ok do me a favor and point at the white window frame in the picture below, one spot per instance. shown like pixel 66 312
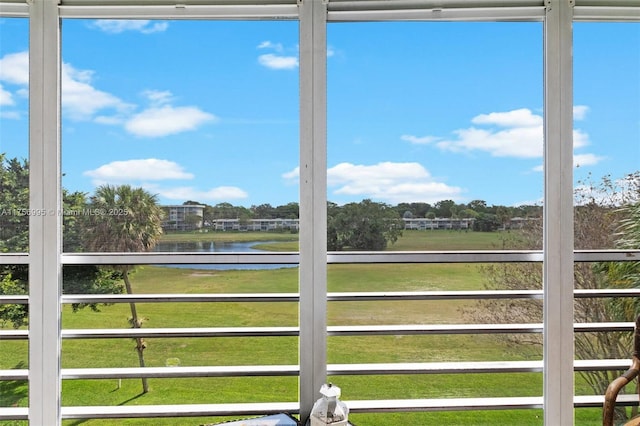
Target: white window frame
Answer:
pixel 45 258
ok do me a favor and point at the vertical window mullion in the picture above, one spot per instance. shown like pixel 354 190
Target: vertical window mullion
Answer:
pixel 558 215
pixel 313 202
pixel 44 222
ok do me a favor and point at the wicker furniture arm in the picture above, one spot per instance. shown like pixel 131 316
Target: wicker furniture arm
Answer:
pixel 616 386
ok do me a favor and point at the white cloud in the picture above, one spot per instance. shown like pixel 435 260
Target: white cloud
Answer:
pixel 270 45
pixel 580 139
pixel 6 98
pixel 580 112
pixel 167 120
pixel 223 193
pixel 582 160
pixel 158 97
pixel 519 142
pixel 518 133
pixel 109 119
pixel 149 169
pixel 517 118
pixel 389 182
pixel 81 100
pixel 579 160
pixel 14 68
pixel 419 140
pixel 278 62
pixel 10 115
pixel 117 26
pixel 292 175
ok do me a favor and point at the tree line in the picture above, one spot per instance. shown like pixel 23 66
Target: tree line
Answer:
pixel 441 209
pixel 485 218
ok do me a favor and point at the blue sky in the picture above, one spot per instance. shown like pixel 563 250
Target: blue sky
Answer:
pixel 208 111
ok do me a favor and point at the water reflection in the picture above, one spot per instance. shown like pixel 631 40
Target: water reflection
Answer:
pixel 216 247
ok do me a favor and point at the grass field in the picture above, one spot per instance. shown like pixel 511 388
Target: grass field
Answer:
pixel 255 351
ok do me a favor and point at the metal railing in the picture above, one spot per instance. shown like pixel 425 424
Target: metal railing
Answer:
pixel 420 368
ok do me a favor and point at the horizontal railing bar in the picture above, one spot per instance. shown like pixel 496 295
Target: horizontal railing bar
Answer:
pixel 178 372
pixel 21 299
pixel 448 404
pixel 606 292
pixel 606 255
pixel 464 404
pixel 193 298
pixel 457 367
pixel 184 258
pixel 332 297
pixel 601 364
pixel 292 258
pixel 426 329
pixel 294 297
pixel 14 334
pixel 421 329
pixel 434 295
pixel 480 256
pixel 464 367
pixel 14 413
pixel 15 374
pixel 14 258
pixel 603 326
pixel 353 330
pixel 596 401
pixel 181 332
pixel 183 410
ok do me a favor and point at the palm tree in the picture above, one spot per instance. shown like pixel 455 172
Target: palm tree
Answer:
pixel 124 219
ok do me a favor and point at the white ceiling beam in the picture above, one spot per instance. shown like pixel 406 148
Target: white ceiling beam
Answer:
pixel 531 13
pixel 601 13
pixel 181 11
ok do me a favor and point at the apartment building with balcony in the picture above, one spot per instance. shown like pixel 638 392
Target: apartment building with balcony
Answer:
pixel 183 217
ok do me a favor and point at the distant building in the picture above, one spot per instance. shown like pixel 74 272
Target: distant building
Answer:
pixel 438 223
pixel 255 224
pixel 520 222
pixel 294 224
pixel 183 217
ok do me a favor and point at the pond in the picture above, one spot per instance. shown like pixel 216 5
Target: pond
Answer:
pixel 216 247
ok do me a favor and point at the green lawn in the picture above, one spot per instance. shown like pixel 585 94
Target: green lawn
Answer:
pixel 272 350
pixel 437 240
pixel 227 236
